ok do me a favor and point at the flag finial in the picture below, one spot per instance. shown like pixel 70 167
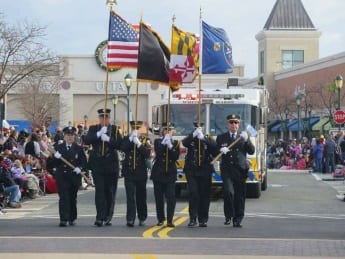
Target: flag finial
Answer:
pixel 111 2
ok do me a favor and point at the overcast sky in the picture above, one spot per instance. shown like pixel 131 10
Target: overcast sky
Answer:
pixel 76 27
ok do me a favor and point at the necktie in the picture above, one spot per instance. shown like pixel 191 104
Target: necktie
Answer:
pixel 233 136
pixel 68 147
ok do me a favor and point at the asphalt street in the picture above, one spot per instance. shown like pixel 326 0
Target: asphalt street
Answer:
pixel 298 216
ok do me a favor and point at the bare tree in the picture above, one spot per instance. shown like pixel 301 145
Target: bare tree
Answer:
pixel 38 99
pixel 328 97
pixel 22 54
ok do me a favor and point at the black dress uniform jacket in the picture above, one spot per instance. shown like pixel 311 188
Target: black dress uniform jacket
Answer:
pixel 68 182
pixel 198 163
pixel 234 169
pixel 162 170
pixel 105 169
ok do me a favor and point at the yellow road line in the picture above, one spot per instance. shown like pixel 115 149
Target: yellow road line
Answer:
pixel 185 210
pixel 164 232
pixel 149 233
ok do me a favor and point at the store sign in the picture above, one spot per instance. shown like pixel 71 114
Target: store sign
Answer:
pixel 112 87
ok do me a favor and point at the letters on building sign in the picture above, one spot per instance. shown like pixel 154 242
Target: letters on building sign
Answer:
pixel 113 87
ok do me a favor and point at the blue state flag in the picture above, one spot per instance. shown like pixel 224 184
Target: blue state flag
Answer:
pixel 216 51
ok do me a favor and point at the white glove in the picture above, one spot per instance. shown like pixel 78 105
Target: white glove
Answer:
pixel 136 141
pixel 77 170
pixel 164 141
pixel 169 144
pixel 195 132
pixel 102 131
pixel 244 135
pixel 134 133
pixel 224 150
pixel 57 155
pixel 201 135
pixel 105 138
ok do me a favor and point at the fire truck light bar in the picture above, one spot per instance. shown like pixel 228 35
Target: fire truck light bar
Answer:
pixel 184 96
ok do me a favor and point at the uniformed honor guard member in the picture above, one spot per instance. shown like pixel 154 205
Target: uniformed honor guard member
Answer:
pixel 68 180
pixel 163 174
pixel 135 173
pixel 198 170
pixel 234 169
pixel 105 139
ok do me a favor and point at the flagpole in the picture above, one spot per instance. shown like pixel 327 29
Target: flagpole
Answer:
pixel 110 2
pixel 199 81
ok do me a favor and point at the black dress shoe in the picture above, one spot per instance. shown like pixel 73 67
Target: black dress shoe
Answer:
pixel 71 223
pixel 107 222
pixel 63 224
pixel 203 224
pixel 130 224
pixel 170 225
pixel 227 221
pixel 237 225
pixel 192 223
pixel 142 223
pixel 99 223
pixel 160 223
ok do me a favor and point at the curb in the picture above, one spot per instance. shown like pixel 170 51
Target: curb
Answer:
pixel 333 179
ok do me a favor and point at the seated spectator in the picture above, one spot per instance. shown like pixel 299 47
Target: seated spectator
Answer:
pixel 33 183
pixel 17 175
pixel 10 187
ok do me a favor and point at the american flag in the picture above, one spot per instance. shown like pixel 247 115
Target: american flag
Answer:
pixel 123 43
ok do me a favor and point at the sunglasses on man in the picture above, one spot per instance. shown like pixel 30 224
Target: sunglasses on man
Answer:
pixel 233 122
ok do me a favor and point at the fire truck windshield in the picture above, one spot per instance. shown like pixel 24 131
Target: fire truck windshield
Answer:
pixel 183 115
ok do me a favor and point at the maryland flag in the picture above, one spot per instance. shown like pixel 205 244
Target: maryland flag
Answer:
pixel 153 58
pixel 184 58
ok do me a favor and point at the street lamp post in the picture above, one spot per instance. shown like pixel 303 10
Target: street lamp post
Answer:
pixel 298 102
pixel 114 100
pixel 338 81
pixel 286 137
pixel 128 83
pixel 309 118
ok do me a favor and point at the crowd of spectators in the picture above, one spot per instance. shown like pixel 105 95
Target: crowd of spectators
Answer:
pixel 322 155
pixel 24 164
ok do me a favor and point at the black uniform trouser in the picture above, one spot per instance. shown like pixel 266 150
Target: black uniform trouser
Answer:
pixel 67 190
pixel 166 189
pixel 234 189
pixel 199 197
pixel 136 199
pixel 105 193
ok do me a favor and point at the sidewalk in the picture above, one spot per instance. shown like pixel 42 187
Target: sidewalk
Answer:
pixel 29 206
pixel 337 183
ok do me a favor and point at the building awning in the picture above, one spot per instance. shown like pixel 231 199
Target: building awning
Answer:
pixel 272 125
pixel 292 125
pixel 324 124
pixel 20 125
pixel 277 128
pixel 303 124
